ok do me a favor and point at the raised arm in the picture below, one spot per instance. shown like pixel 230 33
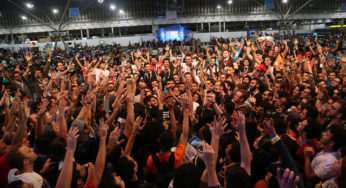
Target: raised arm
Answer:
pixel 101 155
pixel 131 89
pixel 245 152
pixel 337 46
pixel 186 107
pixel 217 129
pixel 20 133
pixel 39 130
pixel 65 176
pixel 135 130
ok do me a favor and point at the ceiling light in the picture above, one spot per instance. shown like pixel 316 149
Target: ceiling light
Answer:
pixel 218 6
pixel 100 1
pixel 284 1
pixel 55 11
pixel 29 5
pixel 121 11
pixel 112 7
pixel 229 2
pixel 24 18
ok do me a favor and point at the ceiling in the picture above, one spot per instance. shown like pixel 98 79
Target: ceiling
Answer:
pixel 14 12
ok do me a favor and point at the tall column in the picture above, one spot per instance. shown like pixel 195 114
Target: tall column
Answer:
pixel 112 29
pixel 201 26
pixel 219 26
pixel 81 33
pixel 224 26
pixel 119 31
pixel 102 33
pixel 342 24
pixel 196 27
pixel 12 38
pixel 87 33
pixel 209 27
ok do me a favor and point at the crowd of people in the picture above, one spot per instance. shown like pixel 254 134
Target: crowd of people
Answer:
pixel 238 112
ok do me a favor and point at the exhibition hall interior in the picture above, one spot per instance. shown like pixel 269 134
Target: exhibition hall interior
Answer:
pixel 173 93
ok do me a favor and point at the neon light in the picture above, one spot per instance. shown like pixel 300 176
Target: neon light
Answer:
pixel 336 26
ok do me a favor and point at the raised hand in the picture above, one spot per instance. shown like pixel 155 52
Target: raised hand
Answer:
pixel 269 127
pixel 103 129
pixel 309 152
pixel 44 107
pixel 46 167
pixel 185 102
pixel 136 125
pixel 288 179
pixel 208 154
pixel 240 118
pixel 113 139
pixel 170 103
pixel 28 57
pixel 218 126
pixel 72 139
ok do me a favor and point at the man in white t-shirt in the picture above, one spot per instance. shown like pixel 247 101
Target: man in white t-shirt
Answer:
pixel 22 158
pixel 102 72
pixel 189 65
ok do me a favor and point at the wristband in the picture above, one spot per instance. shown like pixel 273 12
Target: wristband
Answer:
pixel 275 139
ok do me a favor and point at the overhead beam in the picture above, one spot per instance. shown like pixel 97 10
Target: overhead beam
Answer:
pixel 162 21
pixel 37 18
pixel 300 8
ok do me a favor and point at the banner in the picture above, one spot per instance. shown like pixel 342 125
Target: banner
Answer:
pixel 269 4
pixel 74 12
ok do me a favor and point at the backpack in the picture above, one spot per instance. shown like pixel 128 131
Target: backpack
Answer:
pixel 165 173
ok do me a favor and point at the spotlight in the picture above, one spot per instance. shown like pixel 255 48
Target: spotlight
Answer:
pixel 100 1
pixel 284 1
pixel 112 7
pixel 121 11
pixel 218 6
pixel 29 5
pixel 229 2
pixel 24 18
pixel 55 11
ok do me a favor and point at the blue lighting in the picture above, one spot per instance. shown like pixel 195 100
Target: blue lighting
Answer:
pixel 176 32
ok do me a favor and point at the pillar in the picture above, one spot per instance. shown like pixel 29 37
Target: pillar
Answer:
pixel 102 33
pixel 87 33
pixel 209 27
pixel 81 33
pixel 224 26
pixel 219 26
pixel 119 31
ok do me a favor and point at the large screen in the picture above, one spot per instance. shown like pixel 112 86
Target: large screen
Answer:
pixel 172 33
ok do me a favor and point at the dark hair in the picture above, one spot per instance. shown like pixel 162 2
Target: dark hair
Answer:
pixel 150 134
pixel 15 184
pixel 236 177
pixel 343 108
pixel 15 158
pixel 166 140
pixel 42 142
pixel 261 159
pixel 187 175
pixel 108 181
pixel 234 152
pixel 312 130
pixel 294 118
pixel 312 111
pixel 125 168
pixel 57 149
pixel 338 137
